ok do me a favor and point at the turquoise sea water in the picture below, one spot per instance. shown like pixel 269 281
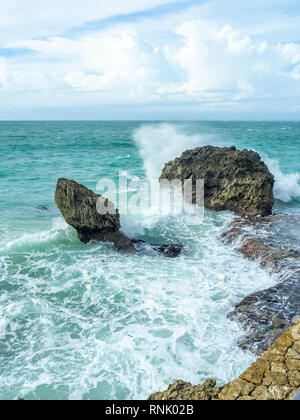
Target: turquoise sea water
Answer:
pixel 86 322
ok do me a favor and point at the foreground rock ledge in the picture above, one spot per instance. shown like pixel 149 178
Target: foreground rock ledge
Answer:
pixel 78 206
pixel 274 376
pixel 234 180
pixel 274 242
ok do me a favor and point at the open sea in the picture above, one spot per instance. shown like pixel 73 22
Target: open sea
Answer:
pixel 88 322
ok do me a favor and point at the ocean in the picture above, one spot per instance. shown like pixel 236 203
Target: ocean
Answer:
pixel 88 322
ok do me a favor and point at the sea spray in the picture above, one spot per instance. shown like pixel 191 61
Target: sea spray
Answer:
pixel 161 143
pixel 84 321
pixel 158 144
pixel 286 185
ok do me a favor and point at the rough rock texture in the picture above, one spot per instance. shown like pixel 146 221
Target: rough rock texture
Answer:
pixel 275 242
pixel 274 376
pixel 78 206
pixel 234 180
pixel 185 391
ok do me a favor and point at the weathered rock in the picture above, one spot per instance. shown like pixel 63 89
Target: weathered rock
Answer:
pixel 294 378
pixel 79 206
pixel 237 389
pixel 263 380
pixel 256 372
pixel 234 180
pixel 185 391
pixel 274 242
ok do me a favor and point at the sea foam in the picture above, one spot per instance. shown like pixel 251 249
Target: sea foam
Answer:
pixel 286 185
pixel 159 144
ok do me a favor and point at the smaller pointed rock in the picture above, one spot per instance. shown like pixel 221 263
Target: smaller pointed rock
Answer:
pixel 79 207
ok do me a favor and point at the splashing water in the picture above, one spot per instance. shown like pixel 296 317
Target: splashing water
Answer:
pixel 159 144
pixel 87 322
pixel 286 185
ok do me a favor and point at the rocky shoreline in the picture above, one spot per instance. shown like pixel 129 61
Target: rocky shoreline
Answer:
pixel 274 242
pixel 238 181
pixel 274 376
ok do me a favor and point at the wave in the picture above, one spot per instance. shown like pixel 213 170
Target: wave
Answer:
pixel 59 226
pixel 159 144
pixel 287 186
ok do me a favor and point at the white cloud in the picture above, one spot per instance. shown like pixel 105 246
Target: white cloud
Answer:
pixel 34 18
pixel 202 63
pixel 2 72
pixel 125 65
pixel 221 59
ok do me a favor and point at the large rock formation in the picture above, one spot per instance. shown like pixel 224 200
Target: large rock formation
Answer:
pixel 80 208
pixel 274 242
pixel 274 376
pixel 234 180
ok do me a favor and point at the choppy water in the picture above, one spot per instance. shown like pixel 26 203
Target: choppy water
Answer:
pixel 84 321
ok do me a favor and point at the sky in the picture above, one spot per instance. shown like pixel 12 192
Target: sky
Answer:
pixel 150 60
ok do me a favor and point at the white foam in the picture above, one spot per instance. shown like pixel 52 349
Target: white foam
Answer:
pixel 286 185
pixel 58 225
pixel 3 324
pixel 162 143
pixel 92 322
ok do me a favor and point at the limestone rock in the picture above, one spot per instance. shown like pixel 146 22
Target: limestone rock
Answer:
pixel 185 391
pixel 256 372
pixel 78 205
pixel 237 388
pixel 294 378
pixel 296 346
pixel 279 392
pixel 234 180
pixel 264 380
pixel 261 393
pixel 80 208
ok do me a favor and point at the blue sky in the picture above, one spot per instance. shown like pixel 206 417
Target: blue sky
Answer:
pixel 150 59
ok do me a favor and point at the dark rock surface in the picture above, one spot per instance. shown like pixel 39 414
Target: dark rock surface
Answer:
pixel 170 251
pixel 234 180
pixel 275 243
pixel 78 206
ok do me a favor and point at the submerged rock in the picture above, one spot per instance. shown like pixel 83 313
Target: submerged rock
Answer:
pixel 79 207
pixel 234 180
pixel 275 243
pixel 42 208
pixel 170 251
